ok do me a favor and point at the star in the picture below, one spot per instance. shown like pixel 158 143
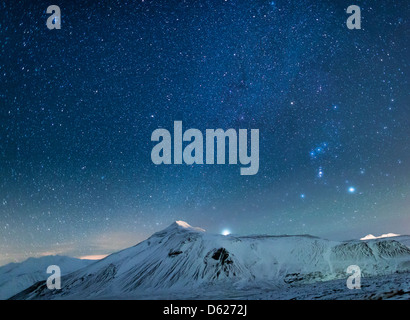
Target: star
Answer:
pixel 226 232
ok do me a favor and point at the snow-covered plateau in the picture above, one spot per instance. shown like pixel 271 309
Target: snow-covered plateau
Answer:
pixel 183 262
pixel 15 277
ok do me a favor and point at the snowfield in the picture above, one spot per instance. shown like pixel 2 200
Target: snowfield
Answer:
pixel 183 262
pixel 15 277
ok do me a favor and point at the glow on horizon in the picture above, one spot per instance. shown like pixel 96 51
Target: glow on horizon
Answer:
pixel 93 257
pixel 226 232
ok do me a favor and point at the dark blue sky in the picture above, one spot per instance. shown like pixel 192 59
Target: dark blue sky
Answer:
pixel 78 106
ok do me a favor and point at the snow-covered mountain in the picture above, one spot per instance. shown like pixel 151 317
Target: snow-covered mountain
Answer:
pixel 183 261
pixel 15 277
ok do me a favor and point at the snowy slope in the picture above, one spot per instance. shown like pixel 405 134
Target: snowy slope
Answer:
pixel 15 277
pixel 402 239
pixel 182 258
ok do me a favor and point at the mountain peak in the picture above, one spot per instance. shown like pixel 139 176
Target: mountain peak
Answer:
pixel 182 226
pixel 386 235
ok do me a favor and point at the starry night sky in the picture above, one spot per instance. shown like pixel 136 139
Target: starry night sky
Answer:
pixel 78 106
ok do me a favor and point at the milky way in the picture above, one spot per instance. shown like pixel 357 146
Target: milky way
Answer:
pixel 78 106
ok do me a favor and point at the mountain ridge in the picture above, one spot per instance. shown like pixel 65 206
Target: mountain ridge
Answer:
pixel 17 276
pixel 182 258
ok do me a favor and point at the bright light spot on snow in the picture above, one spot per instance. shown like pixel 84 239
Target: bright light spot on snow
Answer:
pixel 226 232
pixel 352 189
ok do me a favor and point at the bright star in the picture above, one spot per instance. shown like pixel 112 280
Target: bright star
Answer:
pixel 226 232
pixel 352 189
